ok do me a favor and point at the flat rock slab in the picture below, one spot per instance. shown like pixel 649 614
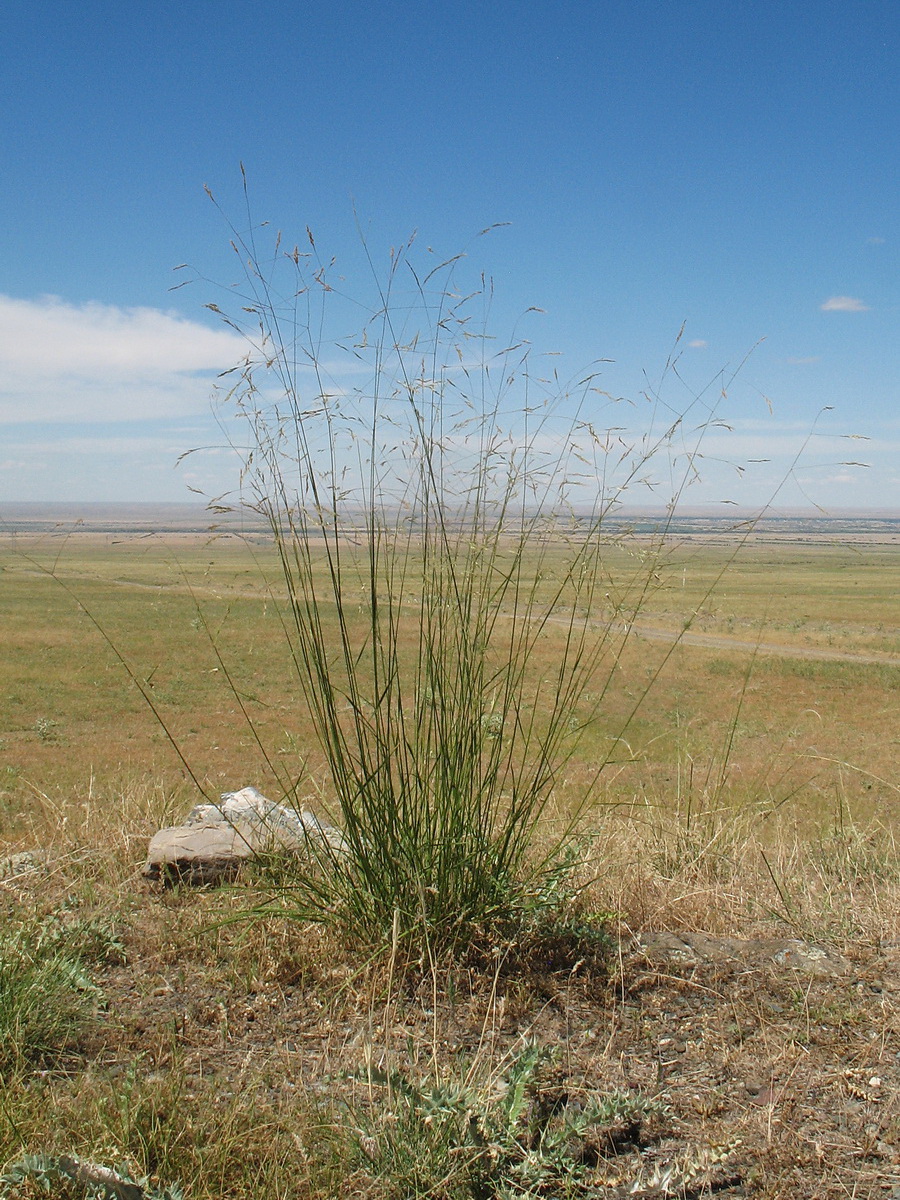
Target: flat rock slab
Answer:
pixel 217 839
pixel 197 853
pixel 786 953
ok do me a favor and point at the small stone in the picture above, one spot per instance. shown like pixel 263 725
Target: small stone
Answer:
pixel 767 1095
pixel 196 853
pixel 808 958
pixel 27 862
pixel 695 948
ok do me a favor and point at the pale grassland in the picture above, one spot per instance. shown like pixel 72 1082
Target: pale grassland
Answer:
pixel 741 794
pixel 722 738
pixel 537 733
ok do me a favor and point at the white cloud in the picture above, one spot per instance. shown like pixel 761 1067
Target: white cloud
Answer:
pixel 98 362
pixel 698 344
pixel 875 241
pixel 844 304
pixel 65 338
pixel 803 361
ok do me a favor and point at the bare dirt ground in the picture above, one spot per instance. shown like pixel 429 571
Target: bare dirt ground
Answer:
pixel 777 1076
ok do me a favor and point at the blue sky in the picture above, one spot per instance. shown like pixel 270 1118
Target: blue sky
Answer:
pixel 730 167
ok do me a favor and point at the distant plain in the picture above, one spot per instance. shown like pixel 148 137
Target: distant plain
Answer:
pixel 781 654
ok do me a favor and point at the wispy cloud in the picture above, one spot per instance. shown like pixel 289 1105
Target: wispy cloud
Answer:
pixel 844 304
pixel 784 445
pixel 842 479
pixel 797 361
pixel 875 241
pixel 698 344
pixel 139 466
pixel 98 362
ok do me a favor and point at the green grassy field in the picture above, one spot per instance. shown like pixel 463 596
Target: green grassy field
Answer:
pixel 741 780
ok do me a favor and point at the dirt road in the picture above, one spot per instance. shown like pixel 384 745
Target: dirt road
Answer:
pixel 715 641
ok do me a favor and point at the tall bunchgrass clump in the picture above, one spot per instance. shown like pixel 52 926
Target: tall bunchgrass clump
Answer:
pixel 442 530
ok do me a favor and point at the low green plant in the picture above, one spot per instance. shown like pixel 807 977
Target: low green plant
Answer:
pixel 92 938
pixel 66 1178
pixel 47 997
pixel 47 729
pixel 509 1137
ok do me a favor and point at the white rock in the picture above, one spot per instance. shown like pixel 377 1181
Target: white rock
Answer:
pixel 217 838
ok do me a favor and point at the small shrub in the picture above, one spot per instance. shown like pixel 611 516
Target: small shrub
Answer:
pixel 67 1178
pixel 93 939
pixel 47 729
pixel 510 1137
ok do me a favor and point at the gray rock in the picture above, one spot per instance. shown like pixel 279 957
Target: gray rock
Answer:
pixel 197 853
pixel 808 958
pixel 15 868
pixel 786 953
pixel 217 839
pixel 267 826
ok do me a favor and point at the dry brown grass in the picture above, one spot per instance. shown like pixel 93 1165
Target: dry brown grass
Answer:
pixel 737 801
pixel 69 715
pixel 723 758
pixel 229 1055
